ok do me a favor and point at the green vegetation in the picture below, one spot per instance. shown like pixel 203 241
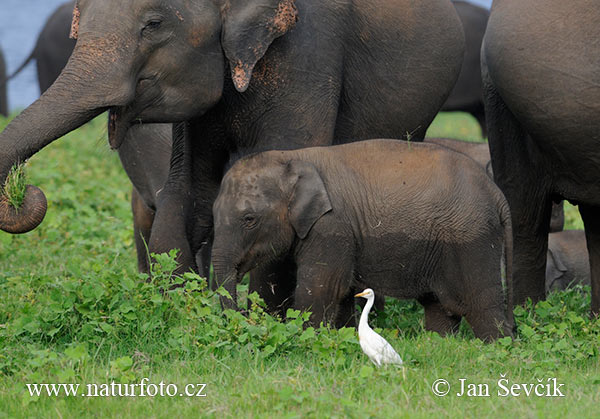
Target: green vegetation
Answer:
pixel 73 309
pixel 14 186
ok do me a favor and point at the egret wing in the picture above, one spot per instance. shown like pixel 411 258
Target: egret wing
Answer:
pixel 388 354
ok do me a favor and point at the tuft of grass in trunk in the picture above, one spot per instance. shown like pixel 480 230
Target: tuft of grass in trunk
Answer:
pixel 14 186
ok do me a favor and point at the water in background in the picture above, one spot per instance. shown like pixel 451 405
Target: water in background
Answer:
pixel 20 24
pixel 483 3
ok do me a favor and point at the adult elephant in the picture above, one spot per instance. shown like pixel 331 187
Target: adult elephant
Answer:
pixel 53 47
pixel 244 75
pixel 146 153
pixel 542 95
pixel 467 95
pixel 3 96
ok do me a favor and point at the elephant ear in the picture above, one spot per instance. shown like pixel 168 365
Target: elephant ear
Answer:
pixel 75 22
pixel 249 28
pixel 309 200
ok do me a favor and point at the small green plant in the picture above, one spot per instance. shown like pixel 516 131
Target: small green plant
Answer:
pixel 14 186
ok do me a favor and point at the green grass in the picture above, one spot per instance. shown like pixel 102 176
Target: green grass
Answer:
pixel 457 125
pixel 14 186
pixel 73 309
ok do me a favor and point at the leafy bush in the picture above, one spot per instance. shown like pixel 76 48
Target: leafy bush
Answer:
pixel 181 314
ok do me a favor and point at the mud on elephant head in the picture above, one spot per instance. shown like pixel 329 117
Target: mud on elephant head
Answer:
pixel 132 67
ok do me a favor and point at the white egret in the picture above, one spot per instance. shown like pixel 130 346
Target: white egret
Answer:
pixel 376 347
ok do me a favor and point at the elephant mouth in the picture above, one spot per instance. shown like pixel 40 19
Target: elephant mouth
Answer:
pixel 118 124
pixel 121 118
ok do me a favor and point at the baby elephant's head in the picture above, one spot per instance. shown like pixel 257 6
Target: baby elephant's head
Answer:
pixel 265 204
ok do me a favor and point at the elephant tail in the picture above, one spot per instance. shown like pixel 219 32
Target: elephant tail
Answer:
pixel 18 70
pixel 506 220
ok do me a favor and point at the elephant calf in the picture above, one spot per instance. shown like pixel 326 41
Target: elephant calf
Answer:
pixel 408 220
pixel 567 260
pixel 480 152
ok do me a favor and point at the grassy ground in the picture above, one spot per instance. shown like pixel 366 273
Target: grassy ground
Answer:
pixel 73 309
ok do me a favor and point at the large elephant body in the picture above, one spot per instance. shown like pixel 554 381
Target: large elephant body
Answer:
pixel 542 96
pixel 243 76
pixel 467 95
pixel 53 47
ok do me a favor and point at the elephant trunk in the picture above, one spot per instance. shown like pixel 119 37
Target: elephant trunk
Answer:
pixel 226 276
pixel 28 216
pixel 86 88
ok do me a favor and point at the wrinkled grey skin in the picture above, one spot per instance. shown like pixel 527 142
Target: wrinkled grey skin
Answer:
pixel 480 152
pixel 3 96
pixel 146 156
pixel 540 62
pixel 567 260
pixel 244 76
pixel 467 95
pixel 477 151
pixel 53 47
pixel 381 214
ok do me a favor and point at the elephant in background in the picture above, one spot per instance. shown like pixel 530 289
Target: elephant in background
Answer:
pixel 3 95
pixel 240 77
pixel 53 47
pixel 467 95
pixel 540 62
pixel 408 220
pixel 567 260
pixel 480 152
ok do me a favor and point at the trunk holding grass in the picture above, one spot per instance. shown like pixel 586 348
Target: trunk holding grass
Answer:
pixel 29 214
pixel 88 85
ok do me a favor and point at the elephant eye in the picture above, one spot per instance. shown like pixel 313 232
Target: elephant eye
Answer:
pixel 152 25
pixel 249 220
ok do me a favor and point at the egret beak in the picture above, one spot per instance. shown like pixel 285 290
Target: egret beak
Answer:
pixel 360 294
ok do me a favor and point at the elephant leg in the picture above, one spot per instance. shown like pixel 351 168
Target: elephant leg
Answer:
pixel 317 293
pixel 438 319
pixel 143 217
pixel 345 316
pixel 530 231
pixel 275 283
pixel 203 261
pixel 169 231
pixel 174 204
pixel 184 208
pixel 486 323
pixel 523 179
pixel 591 221
pixel 324 282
